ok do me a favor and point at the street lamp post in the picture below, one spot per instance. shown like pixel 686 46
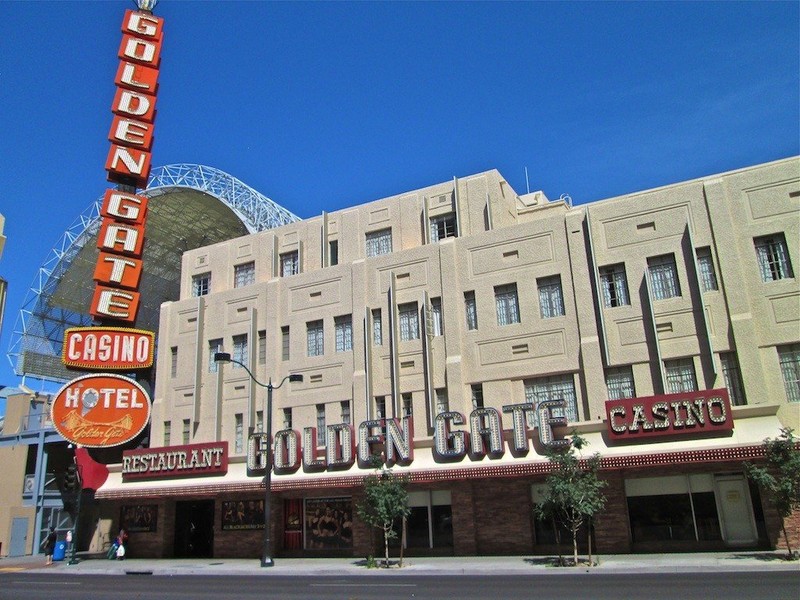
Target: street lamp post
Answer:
pixel 224 357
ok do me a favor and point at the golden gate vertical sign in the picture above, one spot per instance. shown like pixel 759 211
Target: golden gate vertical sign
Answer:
pixel 102 410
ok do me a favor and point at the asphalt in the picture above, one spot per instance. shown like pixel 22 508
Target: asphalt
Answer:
pixel 469 565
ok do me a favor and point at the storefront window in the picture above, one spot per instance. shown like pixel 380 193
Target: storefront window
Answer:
pixel 677 508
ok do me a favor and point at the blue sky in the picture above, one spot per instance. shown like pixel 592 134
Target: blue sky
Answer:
pixel 321 106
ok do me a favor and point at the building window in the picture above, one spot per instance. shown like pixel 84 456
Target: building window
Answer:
pixel 244 274
pixel 214 346
pixel 773 257
pixel 443 227
pixel 558 387
pixel 680 376
pixel 436 325
pixel 285 342
pixel 201 284
pixel 239 434
pixel 409 321
pixel 472 310
pixel 346 418
pixel 551 298
pixel 614 286
pixel 259 421
pixel 287 418
pixel 789 357
pixel 262 347
pixel 167 432
pixel 377 334
pixel 442 402
pixel 343 327
pixel 477 395
pixel 705 269
pixel 408 405
pixel 663 277
pixel 380 407
pixel 173 367
pixel 733 377
pixel 320 424
pixel 619 382
pixel 379 242
pixel 333 253
pixel 505 297
pixel 240 350
pixel 186 431
pixel 290 263
pixel 315 338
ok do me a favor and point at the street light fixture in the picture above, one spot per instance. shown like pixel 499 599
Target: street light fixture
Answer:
pixel 224 357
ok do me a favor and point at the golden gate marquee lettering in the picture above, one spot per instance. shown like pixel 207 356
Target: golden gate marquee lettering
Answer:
pixel 392 440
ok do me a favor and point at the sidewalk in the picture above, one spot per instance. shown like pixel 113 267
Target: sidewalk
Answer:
pixel 468 565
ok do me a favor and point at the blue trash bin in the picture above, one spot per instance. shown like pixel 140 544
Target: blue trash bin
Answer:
pixel 60 551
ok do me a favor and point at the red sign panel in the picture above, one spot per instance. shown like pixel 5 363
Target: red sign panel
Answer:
pixel 670 415
pixel 114 348
pixel 99 411
pixel 194 460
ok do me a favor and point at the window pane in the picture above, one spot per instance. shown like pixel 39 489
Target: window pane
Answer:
pixel 551 300
pixel 614 286
pixel 663 277
pixel 477 396
pixel 705 269
pixel 619 381
pixel 559 387
pixel 314 338
pixel 680 376
pixel 507 306
pixel 442 402
pixel 733 378
pixel 262 347
pixel 320 424
pixel 285 342
pixel 290 264
pixel 379 242
pixel 344 333
pixel 239 439
pixel 773 257
pixel 436 317
pixel 409 321
pixel 443 227
pixel 201 284
pixel 174 361
pixel 377 334
pixel 789 357
pixel 214 346
pixel 333 253
pixel 472 310
pixel 244 274
pixel 240 349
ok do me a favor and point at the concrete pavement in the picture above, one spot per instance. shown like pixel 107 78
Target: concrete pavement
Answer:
pixel 744 560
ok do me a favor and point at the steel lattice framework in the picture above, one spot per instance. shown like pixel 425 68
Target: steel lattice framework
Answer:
pixel 189 206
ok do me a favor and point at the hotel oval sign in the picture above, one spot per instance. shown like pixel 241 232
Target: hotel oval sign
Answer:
pixel 101 410
pixel 112 348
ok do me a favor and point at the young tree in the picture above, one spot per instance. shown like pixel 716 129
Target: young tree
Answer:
pixel 385 500
pixel 574 491
pixel 780 476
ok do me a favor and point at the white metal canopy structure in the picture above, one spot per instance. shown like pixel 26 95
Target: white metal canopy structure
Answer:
pixel 189 206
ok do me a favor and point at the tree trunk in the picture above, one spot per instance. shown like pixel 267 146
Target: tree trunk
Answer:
pixel 386 548
pixel 557 535
pixel 786 537
pixel 402 542
pixel 575 545
pixel 589 534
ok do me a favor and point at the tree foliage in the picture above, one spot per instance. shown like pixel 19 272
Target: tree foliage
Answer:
pixel 385 501
pixel 573 495
pixel 779 477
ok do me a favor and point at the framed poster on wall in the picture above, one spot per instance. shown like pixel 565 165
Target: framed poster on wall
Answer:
pixel 328 523
pixel 139 517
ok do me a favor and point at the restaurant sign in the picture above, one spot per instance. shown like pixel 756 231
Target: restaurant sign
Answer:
pixel 194 460
pixel 100 410
pixel 688 413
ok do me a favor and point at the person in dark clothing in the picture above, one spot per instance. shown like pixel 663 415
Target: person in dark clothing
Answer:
pixel 50 545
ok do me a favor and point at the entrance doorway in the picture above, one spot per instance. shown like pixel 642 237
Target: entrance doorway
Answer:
pixel 194 529
pixel 737 510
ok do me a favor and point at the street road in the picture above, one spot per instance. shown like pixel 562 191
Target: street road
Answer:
pixel 705 586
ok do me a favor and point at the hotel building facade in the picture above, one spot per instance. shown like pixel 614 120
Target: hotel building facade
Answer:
pixel 429 326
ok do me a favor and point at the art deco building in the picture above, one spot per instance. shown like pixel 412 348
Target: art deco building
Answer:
pixel 666 321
